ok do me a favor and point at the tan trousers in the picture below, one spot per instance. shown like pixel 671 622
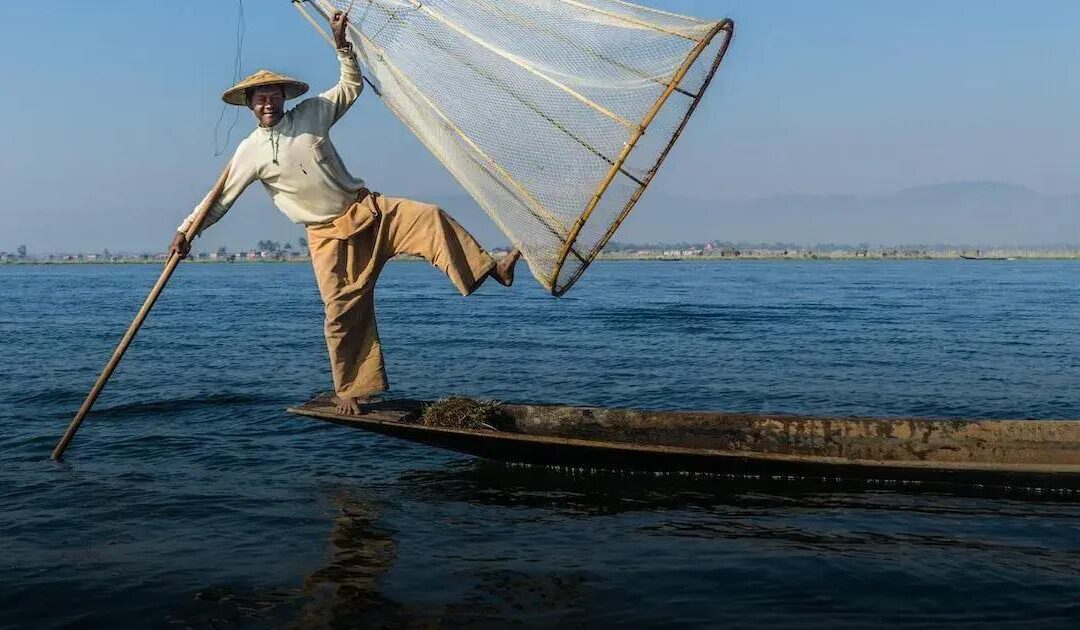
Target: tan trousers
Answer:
pixel 349 253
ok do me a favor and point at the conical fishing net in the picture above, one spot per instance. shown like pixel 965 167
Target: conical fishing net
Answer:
pixel 553 114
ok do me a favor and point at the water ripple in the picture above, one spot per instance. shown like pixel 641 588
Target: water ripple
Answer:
pixel 191 499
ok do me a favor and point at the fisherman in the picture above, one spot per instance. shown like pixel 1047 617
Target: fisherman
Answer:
pixel 352 232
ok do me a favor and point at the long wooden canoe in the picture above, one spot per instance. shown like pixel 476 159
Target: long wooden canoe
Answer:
pixel 994 453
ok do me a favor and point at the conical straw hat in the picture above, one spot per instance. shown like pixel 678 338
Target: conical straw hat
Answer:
pixel 236 95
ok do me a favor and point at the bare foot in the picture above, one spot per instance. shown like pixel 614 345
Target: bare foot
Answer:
pixel 348 406
pixel 504 269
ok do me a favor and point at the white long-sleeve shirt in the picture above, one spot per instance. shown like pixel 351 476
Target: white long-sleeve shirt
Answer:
pixel 295 160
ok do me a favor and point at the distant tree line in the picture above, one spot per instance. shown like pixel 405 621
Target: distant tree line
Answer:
pixel 274 247
pixel 20 252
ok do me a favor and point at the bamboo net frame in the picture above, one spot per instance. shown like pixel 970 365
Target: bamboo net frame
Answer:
pixel 725 26
pixel 485 165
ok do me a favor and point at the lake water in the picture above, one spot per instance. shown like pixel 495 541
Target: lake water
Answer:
pixel 189 499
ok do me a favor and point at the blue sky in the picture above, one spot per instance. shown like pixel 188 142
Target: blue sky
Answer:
pixel 110 110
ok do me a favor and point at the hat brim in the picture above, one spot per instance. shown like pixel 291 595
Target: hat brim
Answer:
pixel 237 95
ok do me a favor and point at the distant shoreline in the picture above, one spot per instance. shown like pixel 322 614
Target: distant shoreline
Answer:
pixel 273 252
pixel 800 256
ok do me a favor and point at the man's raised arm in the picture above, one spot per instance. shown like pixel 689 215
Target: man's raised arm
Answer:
pixel 332 104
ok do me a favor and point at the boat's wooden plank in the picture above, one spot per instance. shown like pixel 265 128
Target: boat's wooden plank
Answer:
pixel 323 406
pixel 915 449
pixel 1000 442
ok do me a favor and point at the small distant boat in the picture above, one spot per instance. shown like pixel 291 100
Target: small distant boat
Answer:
pixel 965 257
pixel 1002 454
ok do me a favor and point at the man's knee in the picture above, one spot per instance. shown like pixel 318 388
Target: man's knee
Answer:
pixel 346 308
pixel 336 315
pixel 424 212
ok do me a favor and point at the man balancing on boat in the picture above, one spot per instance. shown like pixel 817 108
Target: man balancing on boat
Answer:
pixel 352 231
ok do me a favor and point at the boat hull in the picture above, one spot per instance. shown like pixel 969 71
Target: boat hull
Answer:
pixel 993 453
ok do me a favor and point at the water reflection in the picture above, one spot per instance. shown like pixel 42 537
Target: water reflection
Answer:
pixel 817 516
pixel 349 591
pixel 485 482
pixel 345 592
pixel 363 584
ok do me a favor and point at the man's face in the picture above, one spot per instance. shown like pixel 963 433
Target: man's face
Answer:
pixel 268 105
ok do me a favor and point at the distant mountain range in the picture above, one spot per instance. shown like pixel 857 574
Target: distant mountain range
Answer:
pixel 974 213
pixel 957 213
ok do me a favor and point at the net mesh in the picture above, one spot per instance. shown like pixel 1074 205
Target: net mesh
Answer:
pixel 553 114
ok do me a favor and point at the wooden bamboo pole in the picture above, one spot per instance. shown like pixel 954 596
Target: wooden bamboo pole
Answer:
pixel 575 230
pixel 140 317
pixel 729 27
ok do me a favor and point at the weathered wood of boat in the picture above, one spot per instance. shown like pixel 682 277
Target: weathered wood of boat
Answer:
pixel 995 453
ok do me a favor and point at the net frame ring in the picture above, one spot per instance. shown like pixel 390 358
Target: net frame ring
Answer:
pixel 725 26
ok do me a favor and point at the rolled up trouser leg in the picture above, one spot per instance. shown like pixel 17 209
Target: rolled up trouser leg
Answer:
pixel 422 229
